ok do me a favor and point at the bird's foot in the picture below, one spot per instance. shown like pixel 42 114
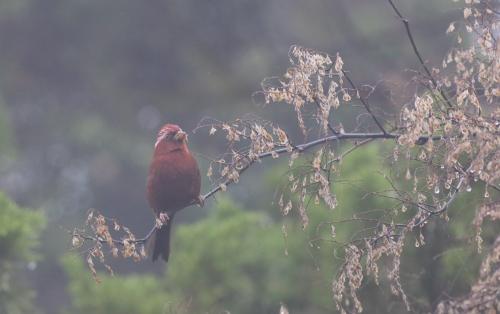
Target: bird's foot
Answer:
pixel 201 201
pixel 162 219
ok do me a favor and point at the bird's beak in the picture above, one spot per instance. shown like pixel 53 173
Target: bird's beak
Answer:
pixel 180 136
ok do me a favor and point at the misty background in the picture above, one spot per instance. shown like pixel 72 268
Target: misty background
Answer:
pixel 85 85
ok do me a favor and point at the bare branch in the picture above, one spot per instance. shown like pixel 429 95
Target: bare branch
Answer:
pixel 364 102
pixel 366 137
pixel 417 53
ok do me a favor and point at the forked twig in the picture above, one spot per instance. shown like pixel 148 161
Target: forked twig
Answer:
pixel 364 102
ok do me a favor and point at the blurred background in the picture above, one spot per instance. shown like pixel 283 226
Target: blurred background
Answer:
pixel 84 87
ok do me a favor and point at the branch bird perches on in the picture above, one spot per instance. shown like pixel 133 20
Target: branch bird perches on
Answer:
pixel 299 148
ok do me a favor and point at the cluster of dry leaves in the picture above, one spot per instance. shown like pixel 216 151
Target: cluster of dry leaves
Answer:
pixel 98 232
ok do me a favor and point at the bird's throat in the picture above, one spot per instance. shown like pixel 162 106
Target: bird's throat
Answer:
pixel 170 147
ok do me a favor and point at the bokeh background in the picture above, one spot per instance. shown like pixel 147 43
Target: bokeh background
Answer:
pixel 84 87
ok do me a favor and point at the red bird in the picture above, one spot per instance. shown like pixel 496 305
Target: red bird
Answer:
pixel 173 183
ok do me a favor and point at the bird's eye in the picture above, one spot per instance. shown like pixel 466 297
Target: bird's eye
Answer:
pixel 170 135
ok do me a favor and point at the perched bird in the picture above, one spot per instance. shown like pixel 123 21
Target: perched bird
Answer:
pixel 173 183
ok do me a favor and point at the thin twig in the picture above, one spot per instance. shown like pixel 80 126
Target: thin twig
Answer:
pixel 445 206
pixel 364 102
pixel 417 53
pixel 351 149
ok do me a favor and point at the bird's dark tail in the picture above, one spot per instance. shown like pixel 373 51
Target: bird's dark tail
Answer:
pixel 160 241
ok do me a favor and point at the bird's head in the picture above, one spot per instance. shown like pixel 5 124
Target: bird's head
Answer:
pixel 172 135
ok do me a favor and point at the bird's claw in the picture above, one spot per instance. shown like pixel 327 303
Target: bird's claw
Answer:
pixel 201 201
pixel 162 219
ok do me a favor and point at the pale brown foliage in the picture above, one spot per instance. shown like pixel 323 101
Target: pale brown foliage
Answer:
pixel 484 296
pixel 97 232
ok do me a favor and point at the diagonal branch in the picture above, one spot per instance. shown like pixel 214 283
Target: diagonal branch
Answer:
pixel 364 102
pixel 448 203
pixel 417 53
pixel 304 147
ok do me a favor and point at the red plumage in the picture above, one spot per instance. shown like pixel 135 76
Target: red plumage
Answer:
pixel 174 183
